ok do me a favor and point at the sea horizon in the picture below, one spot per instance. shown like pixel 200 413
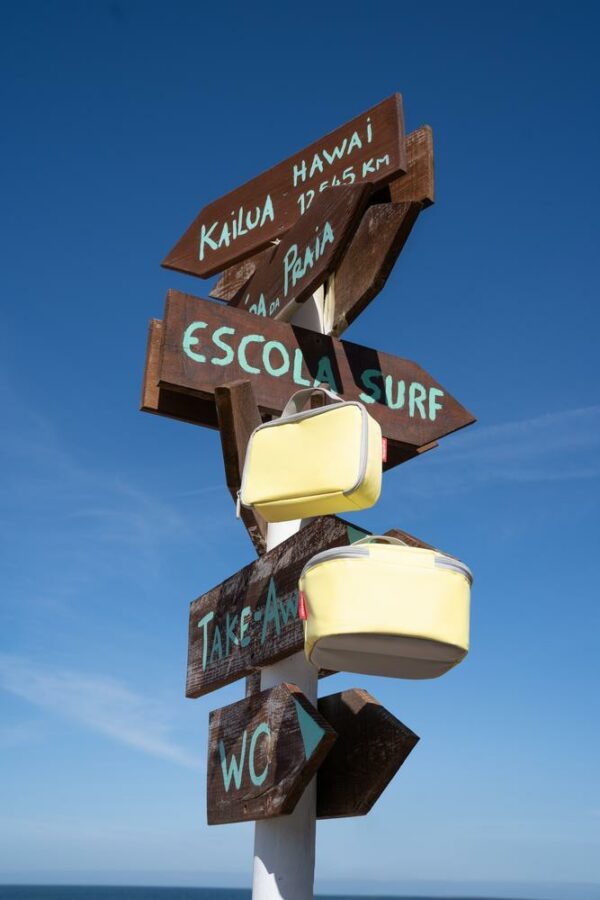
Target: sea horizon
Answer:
pixel 55 891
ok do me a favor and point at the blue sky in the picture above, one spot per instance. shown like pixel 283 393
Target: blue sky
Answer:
pixel 120 121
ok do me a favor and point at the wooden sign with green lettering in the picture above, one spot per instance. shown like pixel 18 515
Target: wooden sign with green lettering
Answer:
pixel 369 148
pixel 374 249
pixel 262 752
pixel 308 253
pixel 251 619
pixel 206 345
pixel 199 409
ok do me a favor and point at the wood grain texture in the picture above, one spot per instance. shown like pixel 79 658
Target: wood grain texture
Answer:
pixel 262 753
pixel 371 746
pixel 251 619
pixel 415 186
pixel 418 184
pixel 369 148
pixel 238 416
pixel 198 411
pixel 234 279
pixel 370 258
pixel 172 404
pixel 253 683
pixel 306 255
pixel 206 345
pixel 409 539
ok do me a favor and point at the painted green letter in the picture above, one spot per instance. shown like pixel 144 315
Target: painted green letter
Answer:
pixel 189 341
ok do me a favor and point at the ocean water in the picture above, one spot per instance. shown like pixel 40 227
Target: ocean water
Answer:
pixel 74 892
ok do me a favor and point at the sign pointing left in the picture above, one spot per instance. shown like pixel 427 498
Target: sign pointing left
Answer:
pixel 369 148
pixel 262 753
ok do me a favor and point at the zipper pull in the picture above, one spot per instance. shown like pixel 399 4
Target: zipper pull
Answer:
pixel 238 505
pixel 302 611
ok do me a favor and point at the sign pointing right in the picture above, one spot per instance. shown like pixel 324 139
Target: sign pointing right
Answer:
pixel 262 753
pixel 206 345
pixel 371 746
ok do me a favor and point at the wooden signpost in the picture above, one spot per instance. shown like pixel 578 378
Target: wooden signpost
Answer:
pixel 205 345
pixel 262 752
pixel 301 249
pixel 306 255
pixel 373 251
pixel 368 148
pixel 202 409
pixel 251 619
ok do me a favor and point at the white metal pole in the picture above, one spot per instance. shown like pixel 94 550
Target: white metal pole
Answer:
pixel 284 847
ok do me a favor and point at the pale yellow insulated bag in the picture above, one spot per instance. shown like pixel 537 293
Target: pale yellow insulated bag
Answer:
pixel 385 609
pixel 313 462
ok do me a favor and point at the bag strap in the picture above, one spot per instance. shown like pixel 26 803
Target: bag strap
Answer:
pixel 385 538
pixel 300 398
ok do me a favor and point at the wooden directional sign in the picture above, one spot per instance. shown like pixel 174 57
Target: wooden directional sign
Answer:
pixel 375 247
pixel 368 148
pixel 206 345
pixel 200 409
pixel 371 746
pixel 262 753
pixel 251 619
pixel 310 250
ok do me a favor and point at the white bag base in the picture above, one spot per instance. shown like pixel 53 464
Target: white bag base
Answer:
pixel 382 654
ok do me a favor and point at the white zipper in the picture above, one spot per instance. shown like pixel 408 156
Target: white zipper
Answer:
pixel 450 562
pixel 335 553
pixel 440 561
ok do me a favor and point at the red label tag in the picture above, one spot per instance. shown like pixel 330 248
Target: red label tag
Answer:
pixel 302 614
pixel 384 449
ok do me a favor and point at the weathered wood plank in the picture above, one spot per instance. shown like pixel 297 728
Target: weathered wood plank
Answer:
pixel 206 345
pixel 370 259
pixel 409 539
pixel 251 619
pixel 369 148
pixel 415 186
pixel 306 255
pixel 418 183
pixel 262 753
pixel 173 404
pixel 371 746
pixel 198 411
pixel 238 416
pixel 234 279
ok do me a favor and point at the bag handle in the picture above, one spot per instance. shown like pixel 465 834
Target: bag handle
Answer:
pixel 300 398
pixel 385 538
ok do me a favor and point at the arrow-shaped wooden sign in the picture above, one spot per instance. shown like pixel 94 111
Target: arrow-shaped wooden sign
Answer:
pixel 373 250
pixel 371 746
pixel 262 753
pixel 198 409
pixel 305 256
pixel 251 619
pixel 369 148
pixel 206 345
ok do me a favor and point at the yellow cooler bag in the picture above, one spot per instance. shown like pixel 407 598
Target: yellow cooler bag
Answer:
pixel 313 462
pixel 385 609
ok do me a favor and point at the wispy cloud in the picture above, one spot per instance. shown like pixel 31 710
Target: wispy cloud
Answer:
pixel 83 523
pixel 97 702
pixel 560 446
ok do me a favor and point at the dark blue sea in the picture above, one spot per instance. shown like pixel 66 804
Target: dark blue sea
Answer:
pixel 71 892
